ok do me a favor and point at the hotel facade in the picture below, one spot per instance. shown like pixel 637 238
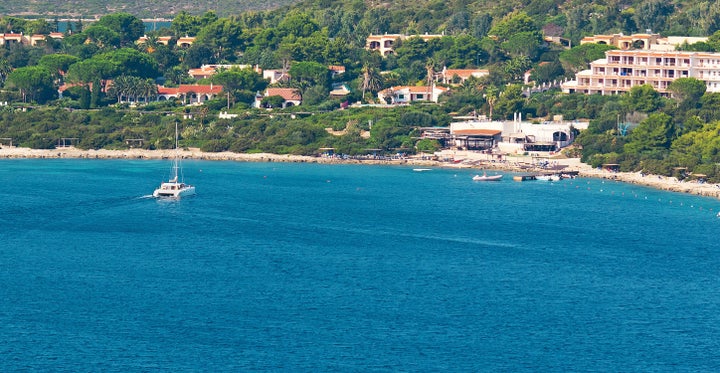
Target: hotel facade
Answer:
pixel 621 70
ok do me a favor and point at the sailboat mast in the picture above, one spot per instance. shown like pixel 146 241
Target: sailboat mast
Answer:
pixel 175 159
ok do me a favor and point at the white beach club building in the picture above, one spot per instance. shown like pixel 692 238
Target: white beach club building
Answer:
pixel 514 136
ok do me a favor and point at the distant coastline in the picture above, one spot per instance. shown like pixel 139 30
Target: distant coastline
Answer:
pixel 453 160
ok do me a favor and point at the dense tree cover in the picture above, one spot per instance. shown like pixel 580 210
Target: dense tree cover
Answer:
pixel 390 130
pixel 354 19
pixel 642 131
pixel 639 130
pixel 147 9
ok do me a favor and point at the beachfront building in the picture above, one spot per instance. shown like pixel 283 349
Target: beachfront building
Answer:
pixel 621 70
pixel 408 94
pixel 516 136
pixel 385 44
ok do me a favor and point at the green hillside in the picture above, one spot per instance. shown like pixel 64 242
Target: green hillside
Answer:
pixel 142 9
pixel 505 39
pixel 571 18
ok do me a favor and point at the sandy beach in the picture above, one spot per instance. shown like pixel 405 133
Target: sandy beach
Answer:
pixel 444 159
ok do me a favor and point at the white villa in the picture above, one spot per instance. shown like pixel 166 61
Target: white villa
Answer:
pixel 291 96
pixel 385 44
pixel 408 94
pixel 459 76
pixel 191 94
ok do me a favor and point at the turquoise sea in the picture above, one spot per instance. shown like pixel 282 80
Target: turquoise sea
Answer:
pixel 307 267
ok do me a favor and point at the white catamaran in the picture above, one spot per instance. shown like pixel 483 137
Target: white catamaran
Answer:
pixel 174 188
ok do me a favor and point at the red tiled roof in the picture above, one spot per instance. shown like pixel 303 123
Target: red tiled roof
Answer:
pixel 386 36
pixel 412 89
pixel 420 89
pixel 287 94
pixel 203 71
pixel 187 88
pixel 464 73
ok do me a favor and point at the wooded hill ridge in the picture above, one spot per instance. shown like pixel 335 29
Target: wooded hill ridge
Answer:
pixel 571 18
pixel 142 9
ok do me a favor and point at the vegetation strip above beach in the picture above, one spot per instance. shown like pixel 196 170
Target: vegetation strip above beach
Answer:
pixel 638 131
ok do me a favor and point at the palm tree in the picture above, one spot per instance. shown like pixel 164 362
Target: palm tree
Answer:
pixel 390 95
pixel 430 68
pixel 150 45
pixel 491 96
pixel 371 80
pixel 135 88
pixel 149 89
pixel 175 74
pixel 120 86
pixel 5 69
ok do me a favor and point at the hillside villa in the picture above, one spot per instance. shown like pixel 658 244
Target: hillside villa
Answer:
pixel 646 41
pixel 191 94
pixel 459 76
pixel 385 44
pixel 291 96
pixel 33 40
pixel 408 94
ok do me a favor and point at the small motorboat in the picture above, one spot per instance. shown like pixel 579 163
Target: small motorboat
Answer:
pixel 548 177
pixel 486 177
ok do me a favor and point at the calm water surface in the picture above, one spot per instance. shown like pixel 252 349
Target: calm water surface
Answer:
pixel 305 267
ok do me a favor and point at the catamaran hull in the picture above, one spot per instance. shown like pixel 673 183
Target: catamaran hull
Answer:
pixel 176 193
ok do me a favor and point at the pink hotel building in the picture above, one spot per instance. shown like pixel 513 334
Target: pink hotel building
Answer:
pixel 621 70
